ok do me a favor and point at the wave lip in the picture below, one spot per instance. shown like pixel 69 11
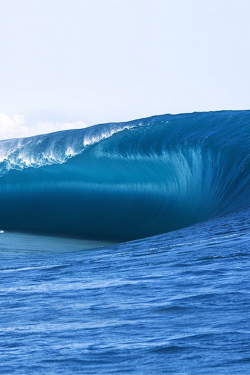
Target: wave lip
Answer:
pixel 128 180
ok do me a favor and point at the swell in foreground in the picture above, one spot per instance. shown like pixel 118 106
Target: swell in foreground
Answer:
pixel 127 180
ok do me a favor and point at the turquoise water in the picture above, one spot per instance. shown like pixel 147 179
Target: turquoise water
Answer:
pixel 125 248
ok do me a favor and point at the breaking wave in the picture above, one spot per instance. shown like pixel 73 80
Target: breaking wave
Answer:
pixel 129 180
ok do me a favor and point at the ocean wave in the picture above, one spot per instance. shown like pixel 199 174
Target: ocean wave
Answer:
pixel 127 180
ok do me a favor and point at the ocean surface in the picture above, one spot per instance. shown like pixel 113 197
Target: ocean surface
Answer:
pixel 125 248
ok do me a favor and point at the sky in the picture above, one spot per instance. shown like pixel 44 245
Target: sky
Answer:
pixel 75 63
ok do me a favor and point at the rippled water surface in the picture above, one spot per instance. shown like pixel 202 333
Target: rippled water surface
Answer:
pixel 173 303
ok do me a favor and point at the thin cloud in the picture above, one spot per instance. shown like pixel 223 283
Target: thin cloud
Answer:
pixel 14 126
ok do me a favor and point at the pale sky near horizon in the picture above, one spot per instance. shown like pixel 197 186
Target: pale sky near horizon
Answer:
pixel 74 63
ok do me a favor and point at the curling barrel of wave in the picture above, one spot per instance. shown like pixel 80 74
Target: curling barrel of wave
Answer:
pixel 129 180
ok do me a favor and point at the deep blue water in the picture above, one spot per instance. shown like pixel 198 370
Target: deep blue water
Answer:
pixel 175 298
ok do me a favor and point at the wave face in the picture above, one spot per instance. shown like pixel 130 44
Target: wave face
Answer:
pixel 129 180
